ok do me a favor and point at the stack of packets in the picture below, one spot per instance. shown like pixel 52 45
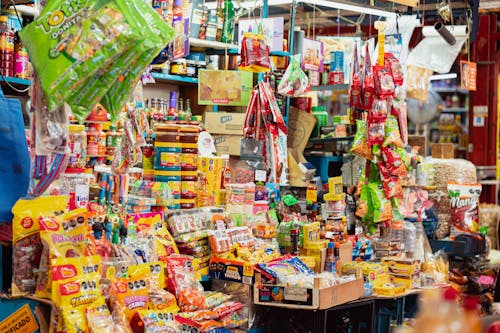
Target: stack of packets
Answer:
pixel 291 271
pixel 131 283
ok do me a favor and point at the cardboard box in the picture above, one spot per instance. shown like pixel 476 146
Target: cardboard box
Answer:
pixel 409 281
pixel 227 144
pixel 345 252
pixel 371 271
pixel 418 141
pixel 224 123
pixel 442 150
pixel 300 127
pixel 230 270
pixel 401 266
pixel 306 298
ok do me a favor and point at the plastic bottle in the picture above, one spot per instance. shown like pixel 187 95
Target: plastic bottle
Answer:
pixel 330 264
pixel 21 60
pixel 203 24
pixel 6 47
pixel 471 317
pixel 226 173
pixel 228 27
pixel 172 109
pixel 338 261
pixel 187 109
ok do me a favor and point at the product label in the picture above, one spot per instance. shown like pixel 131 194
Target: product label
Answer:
pixel 170 159
pixel 211 31
pixel 21 321
pixel 296 294
pixel 197 16
pixel 260 176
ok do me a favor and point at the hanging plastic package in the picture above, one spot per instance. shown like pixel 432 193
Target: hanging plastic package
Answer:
pixel 15 171
pixel 434 53
pixel 86 47
pixel 294 82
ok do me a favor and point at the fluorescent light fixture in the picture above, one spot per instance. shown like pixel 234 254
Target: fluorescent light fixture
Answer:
pixel 323 3
pixel 443 77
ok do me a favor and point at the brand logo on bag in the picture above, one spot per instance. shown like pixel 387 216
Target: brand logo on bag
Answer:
pixel 27 222
pixel 57 17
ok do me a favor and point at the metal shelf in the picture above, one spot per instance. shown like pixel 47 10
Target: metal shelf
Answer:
pixel 209 44
pixel 455 110
pixel 15 80
pixel 174 78
pixel 280 53
pixel 330 87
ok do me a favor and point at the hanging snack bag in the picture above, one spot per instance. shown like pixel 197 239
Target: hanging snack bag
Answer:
pixel 376 132
pixel 384 84
pixel 26 244
pixel 131 294
pixel 379 110
pixel 382 208
pixel 393 162
pixel 392 136
pixel 392 186
pixel 294 82
pixel 360 145
pixel 464 200
pixel 254 53
pixel 395 69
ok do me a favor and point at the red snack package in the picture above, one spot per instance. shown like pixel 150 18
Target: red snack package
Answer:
pixel 384 84
pixel 254 53
pixel 395 69
pixel 393 162
pixel 355 93
pixel 368 90
pixel 375 133
pixel 464 201
pixel 391 184
pixel 379 110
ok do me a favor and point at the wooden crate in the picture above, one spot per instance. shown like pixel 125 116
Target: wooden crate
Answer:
pixel 442 150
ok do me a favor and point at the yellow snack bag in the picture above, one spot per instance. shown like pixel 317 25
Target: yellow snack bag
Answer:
pixel 99 317
pixel 63 237
pixel 26 244
pixel 154 270
pixel 67 268
pixel 131 294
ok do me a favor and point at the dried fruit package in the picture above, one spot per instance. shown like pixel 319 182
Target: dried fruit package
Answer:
pixel 464 200
pixel 294 82
pixel 360 145
pixel 254 53
pixel 26 244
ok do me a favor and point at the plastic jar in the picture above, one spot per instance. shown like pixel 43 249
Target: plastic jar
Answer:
pixel 76 185
pixel 167 148
pixel 21 61
pixel 92 141
pixel 178 67
pixel 77 146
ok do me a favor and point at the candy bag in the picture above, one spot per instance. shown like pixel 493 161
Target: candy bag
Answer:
pixel 26 244
pixel 131 294
pixel 62 237
pixel 68 268
pixel 254 53
pixel 395 69
pixel 384 84
pixel 368 82
pixel 382 208
pixel 155 271
pixel 392 186
pixel 294 82
pixel 464 201
pixel 392 136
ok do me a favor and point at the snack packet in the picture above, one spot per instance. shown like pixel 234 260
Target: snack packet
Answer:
pixel 294 82
pixel 360 144
pixel 254 53
pixel 382 208
pixel 392 136
pixel 464 201
pixel 26 244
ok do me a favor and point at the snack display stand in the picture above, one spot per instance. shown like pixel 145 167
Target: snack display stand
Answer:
pixel 193 171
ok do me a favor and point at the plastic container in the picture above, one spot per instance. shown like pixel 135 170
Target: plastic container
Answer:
pixel 21 61
pixel 76 185
pixel 77 146
pixel 322 119
pixel 330 258
pixel 168 149
pixel 7 38
pixel 92 141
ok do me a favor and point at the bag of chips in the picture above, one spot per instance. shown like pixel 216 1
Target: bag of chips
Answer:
pixel 294 82
pixel 393 162
pixel 392 136
pixel 360 145
pixel 464 201
pixel 381 206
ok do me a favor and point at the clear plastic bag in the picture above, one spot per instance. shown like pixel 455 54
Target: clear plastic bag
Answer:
pixel 295 82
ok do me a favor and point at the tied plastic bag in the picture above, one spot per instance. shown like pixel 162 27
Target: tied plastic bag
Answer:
pixel 295 82
pixel 254 54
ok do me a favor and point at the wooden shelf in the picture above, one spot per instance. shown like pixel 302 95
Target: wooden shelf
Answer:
pixel 175 79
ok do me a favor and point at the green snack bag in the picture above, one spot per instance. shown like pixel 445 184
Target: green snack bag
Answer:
pixel 392 136
pixel 360 145
pixel 382 208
